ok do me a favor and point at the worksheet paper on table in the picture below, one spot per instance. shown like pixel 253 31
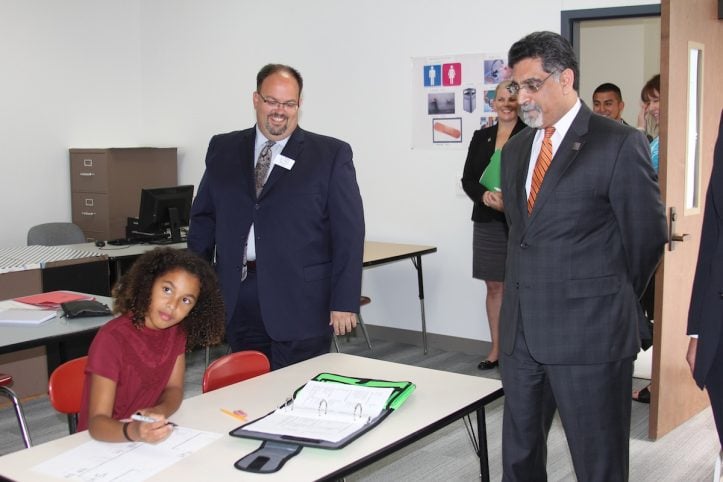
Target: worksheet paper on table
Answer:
pixel 131 462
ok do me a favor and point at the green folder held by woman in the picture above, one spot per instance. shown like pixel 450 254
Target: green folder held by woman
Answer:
pixel 491 176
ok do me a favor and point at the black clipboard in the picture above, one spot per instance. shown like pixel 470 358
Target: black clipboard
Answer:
pixel 277 449
pixel 308 442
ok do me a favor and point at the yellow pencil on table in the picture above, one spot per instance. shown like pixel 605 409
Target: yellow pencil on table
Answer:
pixel 235 414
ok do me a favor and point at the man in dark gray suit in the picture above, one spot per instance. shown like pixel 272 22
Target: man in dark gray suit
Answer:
pixel 705 318
pixel 585 236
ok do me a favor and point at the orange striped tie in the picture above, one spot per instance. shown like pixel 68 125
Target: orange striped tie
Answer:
pixel 543 162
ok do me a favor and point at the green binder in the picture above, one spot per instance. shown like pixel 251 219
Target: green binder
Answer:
pixel 401 390
pixel 277 449
pixel 400 393
pixel 491 175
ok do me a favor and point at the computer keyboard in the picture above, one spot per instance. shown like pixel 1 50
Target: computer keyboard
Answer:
pixel 119 242
pixel 142 239
pixel 167 241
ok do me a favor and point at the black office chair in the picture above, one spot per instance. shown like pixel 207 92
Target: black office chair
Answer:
pixel 55 234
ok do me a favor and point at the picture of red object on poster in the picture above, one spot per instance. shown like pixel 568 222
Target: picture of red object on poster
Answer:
pixel 447 129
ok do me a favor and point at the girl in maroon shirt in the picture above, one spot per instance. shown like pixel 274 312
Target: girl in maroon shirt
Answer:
pixel 169 302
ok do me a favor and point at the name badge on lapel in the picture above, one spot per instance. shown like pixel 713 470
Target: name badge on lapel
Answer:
pixel 285 162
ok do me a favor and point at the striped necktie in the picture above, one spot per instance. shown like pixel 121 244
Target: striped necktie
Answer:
pixel 543 162
pixel 262 166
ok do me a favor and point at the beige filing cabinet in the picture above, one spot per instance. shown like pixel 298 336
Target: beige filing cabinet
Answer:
pixel 105 185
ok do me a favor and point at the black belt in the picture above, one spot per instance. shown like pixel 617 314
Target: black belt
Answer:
pixel 250 265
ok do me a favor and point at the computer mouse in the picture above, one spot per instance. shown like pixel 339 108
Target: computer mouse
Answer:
pixel 100 243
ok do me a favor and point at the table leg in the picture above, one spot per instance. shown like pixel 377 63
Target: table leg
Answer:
pixel 118 269
pixel 60 351
pixel 417 262
pixel 482 440
pixel 54 355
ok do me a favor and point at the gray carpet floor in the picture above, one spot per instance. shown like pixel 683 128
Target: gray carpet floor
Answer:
pixel 686 454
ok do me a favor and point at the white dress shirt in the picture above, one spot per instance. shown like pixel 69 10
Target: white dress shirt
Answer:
pixel 561 128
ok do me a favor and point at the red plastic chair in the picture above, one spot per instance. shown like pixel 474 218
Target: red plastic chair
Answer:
pixel 233 368
pixel 65 389
pixel 5 382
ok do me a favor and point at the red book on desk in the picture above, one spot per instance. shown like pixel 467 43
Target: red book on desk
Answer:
pixel 52 299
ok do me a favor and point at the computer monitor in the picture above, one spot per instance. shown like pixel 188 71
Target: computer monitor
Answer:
pixel 165 208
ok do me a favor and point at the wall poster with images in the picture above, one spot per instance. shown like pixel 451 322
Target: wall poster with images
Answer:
pixel 452 97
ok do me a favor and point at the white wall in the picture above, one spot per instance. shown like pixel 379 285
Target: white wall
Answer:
pixel 175 72
pixel 357 76
pixel 69 78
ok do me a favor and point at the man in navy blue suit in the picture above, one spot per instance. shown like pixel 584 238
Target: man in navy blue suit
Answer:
pixel 705 316
pixel 280 213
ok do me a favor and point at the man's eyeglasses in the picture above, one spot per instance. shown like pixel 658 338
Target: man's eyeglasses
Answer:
pixel 273 103
pixel 531 85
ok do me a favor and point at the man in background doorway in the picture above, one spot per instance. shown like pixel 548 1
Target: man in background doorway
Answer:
pixel 705 317
pixel 607 100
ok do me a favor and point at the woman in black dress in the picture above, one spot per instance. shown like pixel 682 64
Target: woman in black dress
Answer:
pixel 489 243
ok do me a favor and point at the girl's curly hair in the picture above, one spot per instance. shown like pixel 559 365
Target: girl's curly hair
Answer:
pixel 204 325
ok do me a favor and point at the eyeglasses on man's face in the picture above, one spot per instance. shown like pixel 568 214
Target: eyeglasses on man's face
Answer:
pixel 274 104
pixel 532 86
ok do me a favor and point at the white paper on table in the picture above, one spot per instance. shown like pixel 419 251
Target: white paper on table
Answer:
pixel 26 316
pixel 137 461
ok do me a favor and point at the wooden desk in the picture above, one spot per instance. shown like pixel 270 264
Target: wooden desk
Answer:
pixel 440 399
pixel 32 352
pixel 29 270
pixel 33 269
pixel 376 253
pixel 17 337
